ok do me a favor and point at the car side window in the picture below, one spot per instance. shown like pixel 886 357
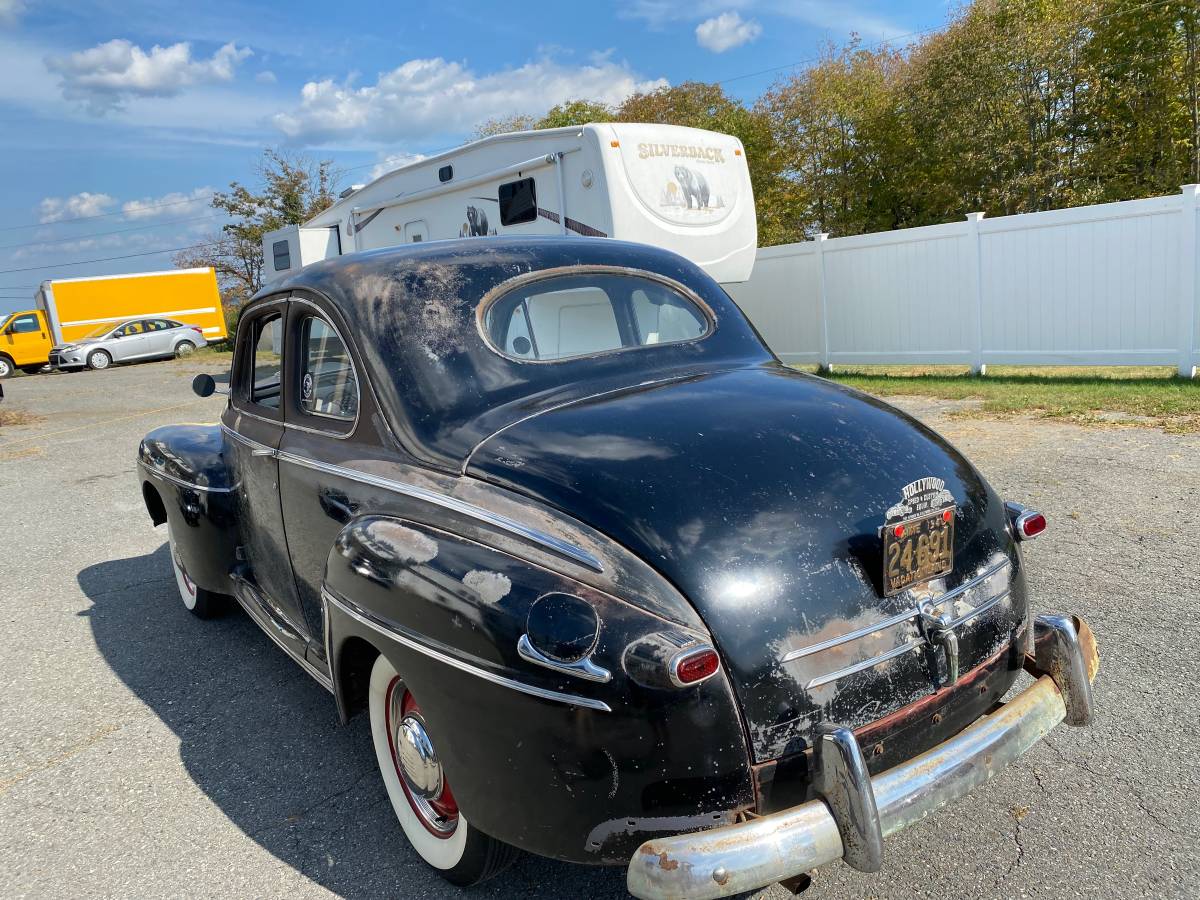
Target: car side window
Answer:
pixel 25 325
pixel 134 328
pixel 158 325
pixel 267 377
pixel 328 384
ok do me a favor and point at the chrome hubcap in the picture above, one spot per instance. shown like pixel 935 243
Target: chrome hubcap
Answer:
pixel 417 764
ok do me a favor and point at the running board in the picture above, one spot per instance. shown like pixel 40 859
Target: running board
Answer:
pixel 285 635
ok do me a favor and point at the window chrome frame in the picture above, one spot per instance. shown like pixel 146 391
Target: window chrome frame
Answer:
pixel 500 291
pixel 350 424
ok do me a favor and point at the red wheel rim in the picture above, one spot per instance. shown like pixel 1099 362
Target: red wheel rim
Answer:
pixel 438 814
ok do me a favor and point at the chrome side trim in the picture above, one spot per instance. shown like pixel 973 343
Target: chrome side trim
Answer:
pixel 255 447
pixel 395 633
pixel 190 485
pixel 735 859
pixel 581 668
pixel 900 650
pixel 905 616
pixel 512 526
pixel 837 674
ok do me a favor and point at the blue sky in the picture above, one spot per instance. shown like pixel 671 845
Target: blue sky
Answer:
pixel 120 118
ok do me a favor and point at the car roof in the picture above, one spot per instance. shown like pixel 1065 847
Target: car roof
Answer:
pixel 411 311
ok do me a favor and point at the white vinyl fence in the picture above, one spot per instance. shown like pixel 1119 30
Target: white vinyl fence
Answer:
pixel 1112 284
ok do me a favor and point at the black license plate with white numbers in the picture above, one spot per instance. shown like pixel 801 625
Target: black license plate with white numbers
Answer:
pixel 917 550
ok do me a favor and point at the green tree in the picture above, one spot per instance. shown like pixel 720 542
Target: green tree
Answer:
pixel 291 189
pixel 1142 113
pixel 575 112
pixel 843 143
pixel 504 125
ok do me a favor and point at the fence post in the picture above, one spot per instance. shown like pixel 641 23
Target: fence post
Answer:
pixel 975 292
pixel 1187 282
pixel 823 364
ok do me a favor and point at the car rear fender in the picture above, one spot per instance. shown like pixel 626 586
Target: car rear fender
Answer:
pixel 591 764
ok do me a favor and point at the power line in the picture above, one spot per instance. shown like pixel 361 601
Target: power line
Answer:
pixel 96 234
pixel 88 262
pixel 119 212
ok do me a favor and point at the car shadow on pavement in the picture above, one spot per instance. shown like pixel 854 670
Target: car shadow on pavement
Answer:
pixel 261 740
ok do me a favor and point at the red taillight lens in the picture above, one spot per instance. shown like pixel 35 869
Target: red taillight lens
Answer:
pixel 695 665
pixel 1031 525
pixel 197 329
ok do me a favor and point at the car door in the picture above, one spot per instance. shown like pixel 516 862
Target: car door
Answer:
pixel 323 432
pixel 159 337
pixel 128 342
pixel 254 422
pixel 26 340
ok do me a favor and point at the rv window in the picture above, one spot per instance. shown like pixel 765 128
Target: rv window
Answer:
pixel 282 255
pixel 518 202
pixel 590 313
pixel 328 386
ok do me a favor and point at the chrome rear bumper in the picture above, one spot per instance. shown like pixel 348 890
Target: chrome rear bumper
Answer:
pixel 856 811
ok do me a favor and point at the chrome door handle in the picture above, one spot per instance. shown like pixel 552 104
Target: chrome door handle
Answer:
pixel 264 451
pixel 581 668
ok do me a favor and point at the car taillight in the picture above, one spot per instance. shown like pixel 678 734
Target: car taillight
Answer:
pixel 1026 523
pixel 694 666
pixel 197 329
pixel 1031 525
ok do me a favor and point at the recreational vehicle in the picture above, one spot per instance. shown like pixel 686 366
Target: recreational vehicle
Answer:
pixel 683 189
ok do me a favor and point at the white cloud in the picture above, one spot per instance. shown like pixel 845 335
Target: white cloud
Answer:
pixel 834 16
pixel 10 11
pixel 55 209
pixel 103 76
pixel 394 161
pixel 726 31
pixel 433 96
pixel 266 76
pixel 169 205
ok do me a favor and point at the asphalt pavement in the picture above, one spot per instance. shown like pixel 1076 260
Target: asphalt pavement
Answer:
pixel 146 753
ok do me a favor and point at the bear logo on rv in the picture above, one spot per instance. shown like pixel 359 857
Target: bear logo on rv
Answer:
pixel 694 185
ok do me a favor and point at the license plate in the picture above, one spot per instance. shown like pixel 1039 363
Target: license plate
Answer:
pixel 917 550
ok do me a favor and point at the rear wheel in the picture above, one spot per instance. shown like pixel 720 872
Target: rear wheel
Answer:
pixel 420 793
pixel 200 603
pixel 184 348
pixel 6 367
pixel 99 359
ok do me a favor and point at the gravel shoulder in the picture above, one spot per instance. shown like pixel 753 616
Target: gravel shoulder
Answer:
pixel 145 752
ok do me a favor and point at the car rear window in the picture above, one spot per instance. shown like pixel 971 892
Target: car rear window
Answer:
pixel 568 316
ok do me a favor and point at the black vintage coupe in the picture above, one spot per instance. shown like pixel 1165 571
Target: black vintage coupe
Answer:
pixel 612 583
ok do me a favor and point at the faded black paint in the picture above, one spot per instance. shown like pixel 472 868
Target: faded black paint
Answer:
pixel 722 492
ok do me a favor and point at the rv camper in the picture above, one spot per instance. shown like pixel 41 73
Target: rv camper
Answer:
pixel 684 189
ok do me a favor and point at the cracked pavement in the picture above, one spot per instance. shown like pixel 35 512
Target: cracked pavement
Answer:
pixel 146 752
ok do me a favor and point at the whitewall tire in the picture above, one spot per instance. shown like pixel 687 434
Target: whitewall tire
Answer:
pixel 419 791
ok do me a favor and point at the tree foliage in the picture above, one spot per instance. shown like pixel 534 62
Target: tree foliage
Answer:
pixel 291 189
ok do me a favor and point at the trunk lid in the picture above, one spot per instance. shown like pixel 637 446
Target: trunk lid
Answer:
pixel 760 493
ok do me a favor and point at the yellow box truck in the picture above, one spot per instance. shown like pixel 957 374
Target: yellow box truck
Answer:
pixel 71 309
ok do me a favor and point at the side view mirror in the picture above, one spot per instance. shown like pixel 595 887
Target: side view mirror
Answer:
pixel 206 386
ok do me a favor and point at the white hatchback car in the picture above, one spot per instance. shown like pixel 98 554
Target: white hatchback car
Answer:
pixel 128 341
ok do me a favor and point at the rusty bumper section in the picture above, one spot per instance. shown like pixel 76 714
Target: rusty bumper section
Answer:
pixel 856 811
